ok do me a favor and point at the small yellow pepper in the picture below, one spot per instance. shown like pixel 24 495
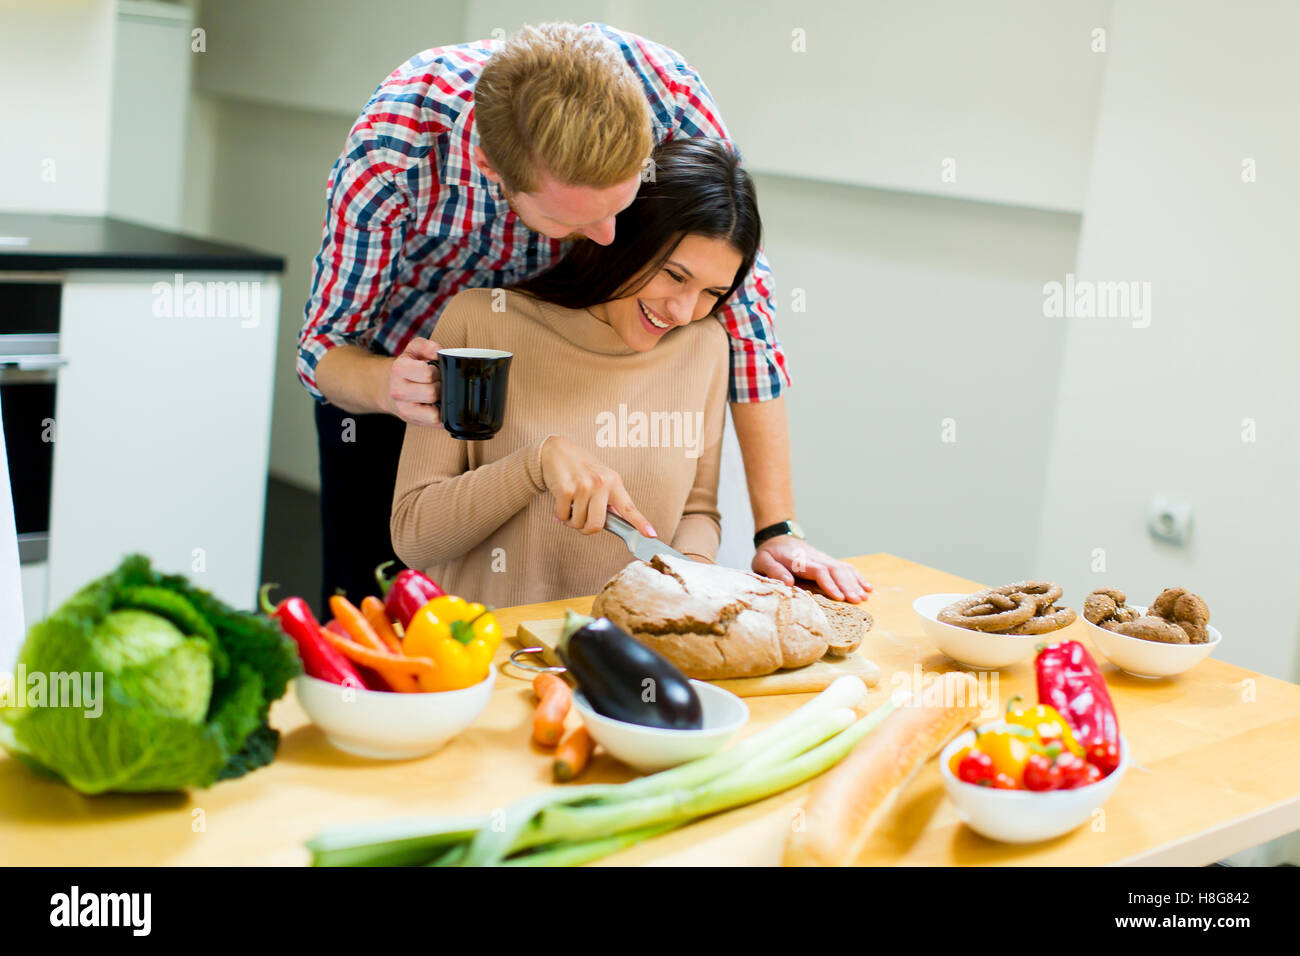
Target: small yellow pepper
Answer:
pixel 1046 722
pixel 1010 749
pixel 459 637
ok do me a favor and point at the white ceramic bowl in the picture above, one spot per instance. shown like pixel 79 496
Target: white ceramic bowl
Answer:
pixel 1151 659
pixel 654 748
pixel 974 649
pixel 1024 816
pixel 387 725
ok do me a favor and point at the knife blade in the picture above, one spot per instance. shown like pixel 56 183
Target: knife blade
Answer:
pixel 640 546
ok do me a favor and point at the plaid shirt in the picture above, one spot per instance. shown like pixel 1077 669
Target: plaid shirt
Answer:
pixel 410 220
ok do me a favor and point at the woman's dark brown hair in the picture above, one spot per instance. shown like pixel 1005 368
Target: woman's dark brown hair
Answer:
pixel 698 188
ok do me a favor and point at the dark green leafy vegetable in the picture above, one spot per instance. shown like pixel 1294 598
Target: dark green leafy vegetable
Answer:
pixel 187 685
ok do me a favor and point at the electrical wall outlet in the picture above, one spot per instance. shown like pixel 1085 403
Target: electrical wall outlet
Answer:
pixel 1169 521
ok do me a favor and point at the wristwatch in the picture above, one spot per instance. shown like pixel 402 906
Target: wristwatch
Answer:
pixel 775 530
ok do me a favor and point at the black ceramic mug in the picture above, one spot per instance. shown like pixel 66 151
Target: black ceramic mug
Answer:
pixel 473 391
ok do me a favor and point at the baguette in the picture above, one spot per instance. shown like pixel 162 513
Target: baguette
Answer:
pixel 848 801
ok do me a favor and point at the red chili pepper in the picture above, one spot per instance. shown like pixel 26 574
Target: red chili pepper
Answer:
pixel 406 593
pixel 319 658
pixel 1069 680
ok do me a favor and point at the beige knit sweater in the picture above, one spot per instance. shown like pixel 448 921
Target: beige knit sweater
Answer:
pixel 476 516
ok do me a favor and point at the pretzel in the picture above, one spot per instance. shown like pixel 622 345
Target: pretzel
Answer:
pixel 1150 628
pixel 1026 607
pixel 1185 609
pixel 1048 619
pixel 1105 606
pixel 977 612
pixel 1046 592
pixel 997 601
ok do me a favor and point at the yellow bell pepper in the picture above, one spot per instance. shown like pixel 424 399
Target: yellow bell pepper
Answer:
pixel 1046 722
pixel 459 637
pixel 1010 749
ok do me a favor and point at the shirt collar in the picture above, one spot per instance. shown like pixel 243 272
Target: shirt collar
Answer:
pixel 461 169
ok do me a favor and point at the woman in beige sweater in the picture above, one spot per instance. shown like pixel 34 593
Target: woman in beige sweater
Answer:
pixel 617 393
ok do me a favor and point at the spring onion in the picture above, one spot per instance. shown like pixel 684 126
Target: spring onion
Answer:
pixel 570 825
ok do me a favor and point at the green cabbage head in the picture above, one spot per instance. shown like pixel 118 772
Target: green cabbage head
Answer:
pixel 175 685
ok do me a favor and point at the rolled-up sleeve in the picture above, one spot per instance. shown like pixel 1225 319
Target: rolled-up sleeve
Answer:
pixel 365 227
pixel 758 369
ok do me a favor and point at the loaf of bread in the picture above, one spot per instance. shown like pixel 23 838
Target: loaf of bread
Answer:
pixel 715 622
pixel 848 801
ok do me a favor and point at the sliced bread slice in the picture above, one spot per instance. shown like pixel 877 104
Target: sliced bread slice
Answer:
pixel 849 622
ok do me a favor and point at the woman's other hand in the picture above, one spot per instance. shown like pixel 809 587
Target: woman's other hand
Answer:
pixel 785 558
pixel 584 489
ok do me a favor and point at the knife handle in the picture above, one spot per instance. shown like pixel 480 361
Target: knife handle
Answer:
pixel 616 525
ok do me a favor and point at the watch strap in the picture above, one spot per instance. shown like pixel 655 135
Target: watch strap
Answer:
pixel 776 530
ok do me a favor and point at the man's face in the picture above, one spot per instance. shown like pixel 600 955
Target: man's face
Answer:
pixel 559 211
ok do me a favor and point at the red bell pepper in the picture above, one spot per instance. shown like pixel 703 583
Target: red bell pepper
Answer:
pixel 1070 681
pixel 319 658
pixel 406 593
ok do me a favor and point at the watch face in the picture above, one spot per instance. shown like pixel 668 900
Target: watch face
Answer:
pixel 795 529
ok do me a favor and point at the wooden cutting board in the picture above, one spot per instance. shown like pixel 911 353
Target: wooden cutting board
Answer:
pixel 804 680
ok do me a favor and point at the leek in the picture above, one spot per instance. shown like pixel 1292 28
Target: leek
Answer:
pixel 572 854
pixel 559 822
pixel 566 826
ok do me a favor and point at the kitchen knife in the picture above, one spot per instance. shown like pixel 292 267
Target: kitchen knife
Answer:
pixel 641 546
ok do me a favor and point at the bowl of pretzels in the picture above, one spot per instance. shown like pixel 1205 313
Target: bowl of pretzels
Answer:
pixel 1170 636
pixel 996 627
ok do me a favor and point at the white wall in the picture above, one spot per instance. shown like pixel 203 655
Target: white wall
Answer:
pixel 151 93
pixel 879 94
pixel 1160 410
pixel 918 310
pixel 56 63
pixel 317 54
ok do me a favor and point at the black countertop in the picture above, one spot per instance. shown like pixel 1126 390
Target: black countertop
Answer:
pixel 58 242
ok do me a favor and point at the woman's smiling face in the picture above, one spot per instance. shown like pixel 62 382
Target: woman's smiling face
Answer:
pixel 689 286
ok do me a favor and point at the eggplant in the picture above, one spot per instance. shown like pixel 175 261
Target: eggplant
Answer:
pixel 623 679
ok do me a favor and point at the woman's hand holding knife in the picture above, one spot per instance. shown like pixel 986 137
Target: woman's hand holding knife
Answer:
pixel 584 489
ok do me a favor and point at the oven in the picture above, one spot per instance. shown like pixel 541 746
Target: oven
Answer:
pixel 29 367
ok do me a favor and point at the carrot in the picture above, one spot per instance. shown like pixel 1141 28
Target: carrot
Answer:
pixel 355 623
pixel 553 700
pixel 402 673
pixel 359 629
pixel 373 610
pixel 403 683
pixel 572 755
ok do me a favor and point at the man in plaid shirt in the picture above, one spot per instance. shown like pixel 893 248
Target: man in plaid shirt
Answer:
pixel 437 190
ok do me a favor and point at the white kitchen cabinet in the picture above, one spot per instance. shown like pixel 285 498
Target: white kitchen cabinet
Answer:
pixel 163 425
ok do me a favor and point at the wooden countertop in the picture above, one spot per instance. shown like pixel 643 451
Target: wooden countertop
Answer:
pixel 1213 775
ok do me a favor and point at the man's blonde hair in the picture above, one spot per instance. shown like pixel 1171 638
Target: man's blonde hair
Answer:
pixel 561 101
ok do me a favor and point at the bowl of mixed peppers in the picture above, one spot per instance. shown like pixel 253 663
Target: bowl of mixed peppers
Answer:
pixel 398 675
pixel 1045 769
